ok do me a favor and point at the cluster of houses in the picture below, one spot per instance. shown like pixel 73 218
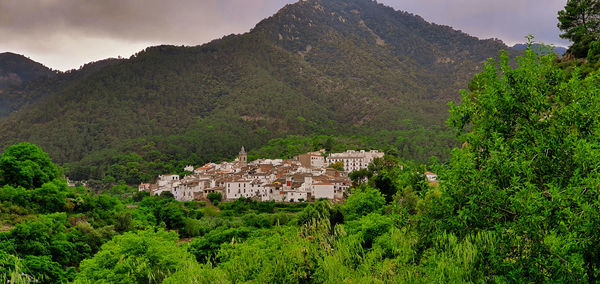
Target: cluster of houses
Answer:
pixel 306 177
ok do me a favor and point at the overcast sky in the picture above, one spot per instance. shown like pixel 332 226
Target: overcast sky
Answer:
pixel 65 34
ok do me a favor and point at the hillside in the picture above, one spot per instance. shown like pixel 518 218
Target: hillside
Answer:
pixel 558 49
pixel 352 69
pixel 30 92
pixel 16 70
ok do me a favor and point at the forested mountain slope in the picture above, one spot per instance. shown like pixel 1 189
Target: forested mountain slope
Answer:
pixel 29 92
pixel 328 67
pixel 540 48
pixel 16 70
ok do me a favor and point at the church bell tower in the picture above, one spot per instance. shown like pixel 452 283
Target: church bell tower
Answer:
pixel 243 157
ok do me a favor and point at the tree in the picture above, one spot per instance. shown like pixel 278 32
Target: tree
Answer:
pixel 50 197
pixel 528 166
pixel 369 227
pixel 171 214
pixel 363 201
pixel 360 176
pixel 338 166
pixel 214 196
pixel 26 165
pixel 46 247
pixel 580 22
pixel 594 52
pixel 135 257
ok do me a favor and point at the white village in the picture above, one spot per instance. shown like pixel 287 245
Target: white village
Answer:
pixel 305 177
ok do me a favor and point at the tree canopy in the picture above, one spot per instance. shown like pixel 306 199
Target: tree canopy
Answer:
pixel 135 257
pixel 529 167
pixel 26 165
pixel 580 22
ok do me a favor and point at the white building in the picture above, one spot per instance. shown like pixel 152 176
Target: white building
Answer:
pixel 323 190
pixel 354 160
pixel 190 187
pixel 144 187
pixel 166 183
pixel 431 177
pixel 295 196
pixel 239 188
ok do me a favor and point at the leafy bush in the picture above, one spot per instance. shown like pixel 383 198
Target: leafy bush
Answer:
pixel 214 196
pixel 143 256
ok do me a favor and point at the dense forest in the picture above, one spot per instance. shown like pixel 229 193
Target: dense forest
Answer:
pixel 518 201
pixel 356 71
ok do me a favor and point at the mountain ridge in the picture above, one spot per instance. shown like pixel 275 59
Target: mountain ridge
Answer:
pixel 331 67
pixel 560 50
pixel 16 70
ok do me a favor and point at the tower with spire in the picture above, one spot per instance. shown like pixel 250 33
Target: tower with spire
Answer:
pixel 243 157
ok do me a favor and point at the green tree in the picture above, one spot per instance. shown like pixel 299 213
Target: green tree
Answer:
pixel 369 227
pixel 528 168
pixel 214 196
pixel 46 247
pixel 580 22
pixel 135 257
pixel 363 201
pixel 360 176
pixel 338 166
pixel 172 215
pixel 26 165
pixel 594 52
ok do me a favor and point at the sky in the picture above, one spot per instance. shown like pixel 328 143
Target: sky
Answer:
pixel 65 34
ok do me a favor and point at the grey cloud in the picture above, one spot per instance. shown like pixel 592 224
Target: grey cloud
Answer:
pixel 65 34
pixel 509 20
pixel 134 20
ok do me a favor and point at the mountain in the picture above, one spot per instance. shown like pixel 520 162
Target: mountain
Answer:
pixel 34 90
pixel 539 48
pixel 347 68
pixel 16 70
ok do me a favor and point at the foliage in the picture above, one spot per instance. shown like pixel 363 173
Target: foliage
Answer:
pixel 50 197
pixel 47 246
pixel 527 165
pixel 580 22
pixel 26 165
pixel 206 247
pixel 364 200
pixel 214 196
pixel 338 166
pixel 135 257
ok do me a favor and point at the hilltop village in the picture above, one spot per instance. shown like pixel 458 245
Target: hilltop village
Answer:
pixel 306 177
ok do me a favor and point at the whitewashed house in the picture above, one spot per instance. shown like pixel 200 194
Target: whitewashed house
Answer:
pixel 323 189
pixel 239 188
